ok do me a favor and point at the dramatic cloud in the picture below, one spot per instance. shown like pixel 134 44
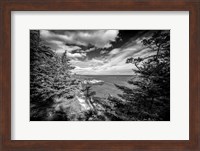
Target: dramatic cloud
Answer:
pixel 113 63
pixel 114 51
pixel 88 63
pixel 98 51
pixel 96 38
pixel 76 55
pixel 89 50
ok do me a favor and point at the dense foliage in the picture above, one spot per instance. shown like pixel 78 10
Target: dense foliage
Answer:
pixel 55 93
pixel 149 96
pixel 50 78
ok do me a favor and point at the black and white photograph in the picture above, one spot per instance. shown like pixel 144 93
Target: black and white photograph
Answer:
pixel 99 75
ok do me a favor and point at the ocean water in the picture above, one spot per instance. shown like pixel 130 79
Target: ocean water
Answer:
pixel 108 88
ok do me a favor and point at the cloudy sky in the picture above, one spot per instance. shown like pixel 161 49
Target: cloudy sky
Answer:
pixel 98 52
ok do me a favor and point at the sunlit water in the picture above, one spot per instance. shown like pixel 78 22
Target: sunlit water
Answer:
pixel 108 88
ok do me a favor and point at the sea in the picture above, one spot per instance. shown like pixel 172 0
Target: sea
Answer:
pixel 108 88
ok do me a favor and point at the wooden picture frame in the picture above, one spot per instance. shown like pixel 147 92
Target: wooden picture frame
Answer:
pixel 7 6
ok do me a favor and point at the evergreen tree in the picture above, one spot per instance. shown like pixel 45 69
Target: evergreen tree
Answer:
pixel 50 77
pixel 149 96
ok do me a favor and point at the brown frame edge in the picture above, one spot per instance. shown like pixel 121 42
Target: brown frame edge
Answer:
pixel 6 6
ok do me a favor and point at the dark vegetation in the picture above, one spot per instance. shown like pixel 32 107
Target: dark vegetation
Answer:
pixel 149 99
pixel 55 91
pixel 50 79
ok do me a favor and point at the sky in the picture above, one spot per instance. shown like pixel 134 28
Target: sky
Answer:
pixel 98 52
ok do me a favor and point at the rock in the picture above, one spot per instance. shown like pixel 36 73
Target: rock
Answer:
pixel 93 82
